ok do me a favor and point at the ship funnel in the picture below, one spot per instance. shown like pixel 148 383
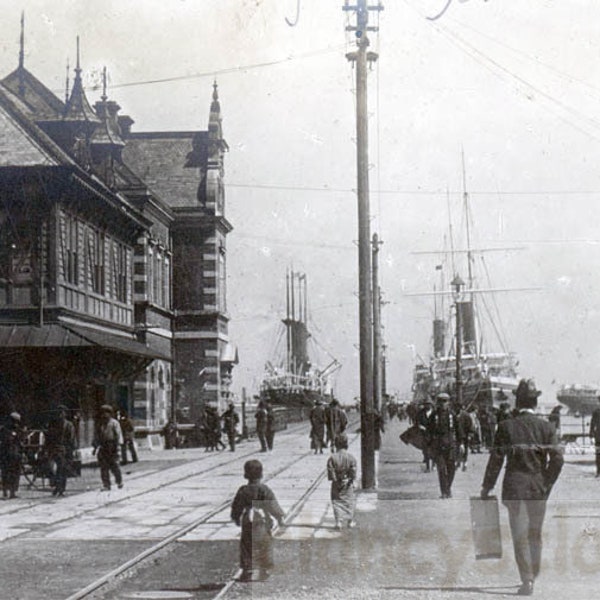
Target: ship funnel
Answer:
pixel 438 337
pixel 469 334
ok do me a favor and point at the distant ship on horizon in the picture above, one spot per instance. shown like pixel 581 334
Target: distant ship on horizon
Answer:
pixel 579 398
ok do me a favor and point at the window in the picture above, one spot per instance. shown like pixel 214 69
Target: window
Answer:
pixel 120 271
pixel 96 243
pixel 71 246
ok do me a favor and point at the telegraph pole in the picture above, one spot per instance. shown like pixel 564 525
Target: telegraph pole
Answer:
pixel 361 57
pixel 377 366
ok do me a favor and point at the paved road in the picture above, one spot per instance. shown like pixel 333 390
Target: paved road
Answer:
pixel 409 544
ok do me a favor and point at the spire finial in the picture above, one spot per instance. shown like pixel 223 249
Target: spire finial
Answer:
pixel 77 66
pixel 67 83
pixel 215 90
pixel 21 89
pixel 104 96
pixel 22 42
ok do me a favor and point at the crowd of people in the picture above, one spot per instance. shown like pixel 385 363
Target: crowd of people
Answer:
pixel 50 452
pixel 518 438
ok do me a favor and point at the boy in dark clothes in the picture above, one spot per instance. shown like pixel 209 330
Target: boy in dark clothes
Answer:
pixel 254 508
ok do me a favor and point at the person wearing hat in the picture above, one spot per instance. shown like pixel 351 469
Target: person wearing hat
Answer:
pixel 529 446
pixel 230 420
pixel 422 419
pixel 59 446
pixel 10 455
pixel 336 421
pixel 554 418
pixel 107 443
pixel 595 435
pixel 447 442
pixel 317 426
pixel 341 471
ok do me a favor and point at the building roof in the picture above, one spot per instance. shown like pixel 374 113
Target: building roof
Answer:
pixel 168 162
pixel 24 144
pixel 39 100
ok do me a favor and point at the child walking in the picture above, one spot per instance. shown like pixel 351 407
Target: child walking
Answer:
pixel 254 508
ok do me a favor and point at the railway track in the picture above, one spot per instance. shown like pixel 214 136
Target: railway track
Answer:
pixel 110 580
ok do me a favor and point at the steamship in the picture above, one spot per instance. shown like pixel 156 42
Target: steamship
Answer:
pixel 291 379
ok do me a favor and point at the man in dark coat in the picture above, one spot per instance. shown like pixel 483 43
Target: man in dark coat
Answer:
pixel 447 441
pixel 270 431
pixel 317 427
pixel 533 463
pixel 230 420
pixel 261 425
pixel 10 455
pixel 595 435
pixel 422 417
pixel 336 422
pixel 60 445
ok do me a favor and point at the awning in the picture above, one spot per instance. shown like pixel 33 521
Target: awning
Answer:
pixel 71 336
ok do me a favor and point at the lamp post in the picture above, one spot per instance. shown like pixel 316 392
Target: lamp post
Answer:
pixel 457 291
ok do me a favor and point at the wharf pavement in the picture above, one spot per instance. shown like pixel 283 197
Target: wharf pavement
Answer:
pixel 409 543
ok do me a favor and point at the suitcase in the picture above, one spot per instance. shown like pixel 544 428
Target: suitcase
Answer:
pixel 485 524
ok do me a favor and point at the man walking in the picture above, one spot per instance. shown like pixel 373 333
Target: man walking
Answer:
pixel 230 420
pixel 107 442
pixel 317 426
pixel 595 435
pixel 446 442
pixel 60 445
pixel 128 434
pixel 336 422
pixel 261 425
pixel 422 418
pixel 533 464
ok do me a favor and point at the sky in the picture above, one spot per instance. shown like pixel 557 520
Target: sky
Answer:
pixel 514 87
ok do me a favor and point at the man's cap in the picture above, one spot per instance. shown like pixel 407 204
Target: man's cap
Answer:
pixel 62 407
pixel 443 397
pixel 107 408
pixel 15 416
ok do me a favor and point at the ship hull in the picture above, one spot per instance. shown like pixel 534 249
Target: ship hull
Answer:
pixel 296 398
pixel 482 390
pixel 579 401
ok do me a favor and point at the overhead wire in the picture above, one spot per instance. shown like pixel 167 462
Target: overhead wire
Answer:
pixel 224 71
pixel 497 69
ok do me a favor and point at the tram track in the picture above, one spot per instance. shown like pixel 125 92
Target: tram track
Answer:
pixel 102 584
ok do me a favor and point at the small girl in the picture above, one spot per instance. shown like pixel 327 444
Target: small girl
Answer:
pixel 254 508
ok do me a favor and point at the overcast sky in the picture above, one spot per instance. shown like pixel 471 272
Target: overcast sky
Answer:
pixel 513 83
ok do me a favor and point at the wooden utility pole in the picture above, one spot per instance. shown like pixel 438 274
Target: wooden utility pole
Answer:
pixel 361 57
pixel 377 362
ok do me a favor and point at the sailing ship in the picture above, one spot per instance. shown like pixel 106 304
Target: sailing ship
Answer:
pixel 581 399
pixel 487 378
pixel 293 380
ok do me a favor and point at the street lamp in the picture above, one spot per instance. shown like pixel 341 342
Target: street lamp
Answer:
pixel 457 292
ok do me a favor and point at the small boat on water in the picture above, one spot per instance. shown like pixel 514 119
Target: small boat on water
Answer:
pixel 291 379
pixel 580 399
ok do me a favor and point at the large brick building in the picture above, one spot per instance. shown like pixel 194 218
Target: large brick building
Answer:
pixel 112 259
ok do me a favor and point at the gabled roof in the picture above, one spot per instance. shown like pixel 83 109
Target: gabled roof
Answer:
pixel 168 162
pixel 22 142
pixel 42 103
